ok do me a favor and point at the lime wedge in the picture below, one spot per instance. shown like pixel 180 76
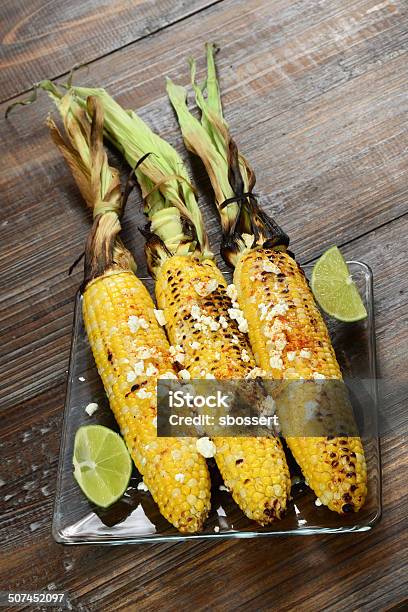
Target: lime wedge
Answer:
pixel 334 288
pixel 102 464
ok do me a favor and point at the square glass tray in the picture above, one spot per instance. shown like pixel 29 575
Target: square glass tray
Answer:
pixel 135 518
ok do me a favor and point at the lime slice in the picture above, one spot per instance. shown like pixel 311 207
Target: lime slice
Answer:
pixel 102 464
pixel 334 288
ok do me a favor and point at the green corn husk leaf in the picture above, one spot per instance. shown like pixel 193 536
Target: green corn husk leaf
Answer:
pixel 99 183
pixel 210 139
pixel 244 224
pixel 170 200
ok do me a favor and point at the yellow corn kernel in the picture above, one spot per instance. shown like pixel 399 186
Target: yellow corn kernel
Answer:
pixel 131 351
pixel 290 341
pixel 196 322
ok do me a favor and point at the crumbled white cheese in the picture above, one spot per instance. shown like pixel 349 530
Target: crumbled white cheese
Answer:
pixel 223 322
pixel 81 378
pixel 223 488
pixel 237 315
pixel 232 292
pixel 179 477
pixel 206 447
pixel 177 353
pixel 143 394
pixel 195 345
pixel 268 406
pixel 210 376
pixel 269 312
pixel 195 311
pixel 217 356
pixel 291 355
pixel 141 486
pixel 264 310
pixel 278 327
pixel 205 288
pixel 244 356
pixel 318 376
pixel 91 408
pixel 135 323
pixel 255 373
pixel 131 376
pixel 185 374
pixel 216 529
pixel 234 339
pixel 138 368
pixel 268 266
pixel 280 308
pixel 212 323
pixel 280 343
pixel 144 352
pixel 167 376
pixel 276 362
pixel 161 319
pixel 305 354
pixel 203 321
pixel 208 321
pixel 318 502
pixel 151 370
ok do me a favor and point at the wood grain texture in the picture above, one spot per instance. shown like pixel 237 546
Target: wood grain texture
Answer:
pixel 265 574
pixel 343 150
pixel 42 39
pixel 315 93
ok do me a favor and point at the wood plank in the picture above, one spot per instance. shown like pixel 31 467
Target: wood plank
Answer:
pixel 42 40
pixel 280 574
pixel 350 134
pixel 331 94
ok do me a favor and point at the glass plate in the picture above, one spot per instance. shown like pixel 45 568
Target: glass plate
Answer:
pixel 135 518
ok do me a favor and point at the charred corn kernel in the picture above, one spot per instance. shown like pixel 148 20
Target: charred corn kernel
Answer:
pixel 193 296
pixel 131 351
pixel 290 341
pixel 195 320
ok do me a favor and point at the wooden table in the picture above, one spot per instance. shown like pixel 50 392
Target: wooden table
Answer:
pixel 316 94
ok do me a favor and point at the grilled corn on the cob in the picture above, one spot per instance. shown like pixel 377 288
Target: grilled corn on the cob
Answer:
pixel 287 332
pixel 254 469
pixel 295 345
pixel 130 349
pixel 179 258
